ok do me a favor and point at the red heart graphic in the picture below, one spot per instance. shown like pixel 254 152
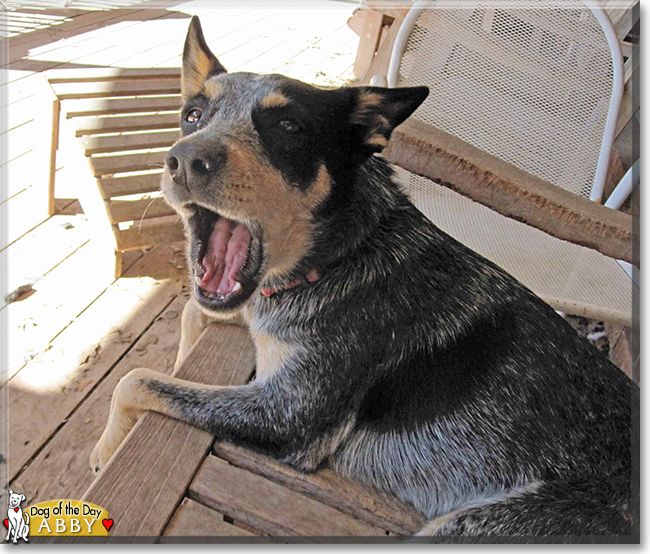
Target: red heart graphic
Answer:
pixel 107 523
pixel 16 509
pixel 6 522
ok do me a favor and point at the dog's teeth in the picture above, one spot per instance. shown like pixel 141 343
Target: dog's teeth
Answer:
pixel 237 286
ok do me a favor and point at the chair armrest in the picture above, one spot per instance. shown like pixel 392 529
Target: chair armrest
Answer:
pixel 512 192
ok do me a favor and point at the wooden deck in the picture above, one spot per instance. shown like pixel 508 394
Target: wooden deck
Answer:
pixel 74 330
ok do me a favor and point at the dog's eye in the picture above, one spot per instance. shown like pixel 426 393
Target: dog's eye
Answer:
pixel 289 126
pixel 193 115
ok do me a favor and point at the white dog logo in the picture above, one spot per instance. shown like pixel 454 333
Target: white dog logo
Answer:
pixel 15 520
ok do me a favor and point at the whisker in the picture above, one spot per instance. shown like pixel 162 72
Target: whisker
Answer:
pixel 145 212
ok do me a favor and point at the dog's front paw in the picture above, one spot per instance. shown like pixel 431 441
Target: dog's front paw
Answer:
pixel 99 456
pixel 114 434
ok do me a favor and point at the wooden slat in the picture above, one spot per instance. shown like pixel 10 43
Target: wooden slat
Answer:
pixel 433 153
pixel 68 91
pixel 196 520
pixel 364 503
pixel 110 165
pixel 379 64
pixel 136 210
pixel 94 144
pixel 96 125
pixel 149 232
pixel 92 74
pixel 132 184
pixel 269 507
pixel 369 41
pixel 146 479
pixel 102 106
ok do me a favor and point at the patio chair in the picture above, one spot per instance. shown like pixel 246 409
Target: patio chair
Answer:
pixel 510 151
pixel 123 121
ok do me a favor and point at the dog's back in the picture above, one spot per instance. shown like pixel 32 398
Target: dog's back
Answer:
pixel 477 393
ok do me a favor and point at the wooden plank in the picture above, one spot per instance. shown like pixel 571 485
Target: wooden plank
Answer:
pixel 92 74
pixel 51 385
pixel 37 253
pixel 160 456
pixel 368 42
pixel 192 519
pixel 111 187
pixel 100 144
pixel 269 507
pixel 630 100
pixel 77 24
pixel 60 296
pixel 54 146
pixel 433 153
pixel 94 107
pixel 149 338
pixel 69 91
pixel 110 165
pixel 136 210
pixel 119 124
pixel 150 231
pixel 362 502
pixel 381 61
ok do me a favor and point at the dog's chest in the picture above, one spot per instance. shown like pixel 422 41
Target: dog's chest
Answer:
pixel 271 353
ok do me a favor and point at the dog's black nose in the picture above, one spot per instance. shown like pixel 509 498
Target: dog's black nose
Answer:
pixel 192 165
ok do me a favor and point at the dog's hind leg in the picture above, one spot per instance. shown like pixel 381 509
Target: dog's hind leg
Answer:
pixel 558 508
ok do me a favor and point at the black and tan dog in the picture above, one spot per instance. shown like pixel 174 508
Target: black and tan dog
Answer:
pixel 384 347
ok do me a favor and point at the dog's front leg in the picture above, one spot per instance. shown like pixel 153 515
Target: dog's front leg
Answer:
pixel 193 323
pixel 280 412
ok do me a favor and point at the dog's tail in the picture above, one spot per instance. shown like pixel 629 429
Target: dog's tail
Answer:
pixel 26 518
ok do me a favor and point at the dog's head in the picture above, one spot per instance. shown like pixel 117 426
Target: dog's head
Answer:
pixel 259 157
pixel 15 499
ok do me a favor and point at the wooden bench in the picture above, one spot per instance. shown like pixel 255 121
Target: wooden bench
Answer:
pixel 169 479
pixel 123 121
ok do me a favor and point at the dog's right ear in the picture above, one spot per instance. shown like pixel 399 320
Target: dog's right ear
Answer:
pixel 10 491
pixel 199 63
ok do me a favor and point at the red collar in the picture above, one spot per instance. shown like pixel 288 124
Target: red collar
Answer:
pixel 312 276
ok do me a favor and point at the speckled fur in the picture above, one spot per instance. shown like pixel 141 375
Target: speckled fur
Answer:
pixel 414 364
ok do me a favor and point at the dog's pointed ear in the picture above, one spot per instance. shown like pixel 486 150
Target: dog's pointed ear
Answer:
pixel 198 62
pixel 10 491
pixel 23 497
pixel 379 110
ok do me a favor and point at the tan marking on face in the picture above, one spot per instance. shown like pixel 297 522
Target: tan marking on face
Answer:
pixel 271 354
pixel 253 190
pixel 212 89
pixel 194 72
pixel 274 100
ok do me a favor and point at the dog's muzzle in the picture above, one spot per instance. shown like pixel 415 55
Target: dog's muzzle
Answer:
pixel 193 164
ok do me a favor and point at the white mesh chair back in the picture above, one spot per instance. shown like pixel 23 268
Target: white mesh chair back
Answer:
pixel 528 85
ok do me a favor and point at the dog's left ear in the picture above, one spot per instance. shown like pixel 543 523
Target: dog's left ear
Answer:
pixel 23 497
pixel 379 110
pixel 199 63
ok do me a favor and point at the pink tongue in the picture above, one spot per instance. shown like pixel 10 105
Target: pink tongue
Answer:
pixel 225 256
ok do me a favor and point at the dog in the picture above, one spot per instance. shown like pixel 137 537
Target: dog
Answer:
pixel 385 348
pixel 16 523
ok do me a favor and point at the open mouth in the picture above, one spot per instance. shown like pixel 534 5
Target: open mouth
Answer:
pixel 226 259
